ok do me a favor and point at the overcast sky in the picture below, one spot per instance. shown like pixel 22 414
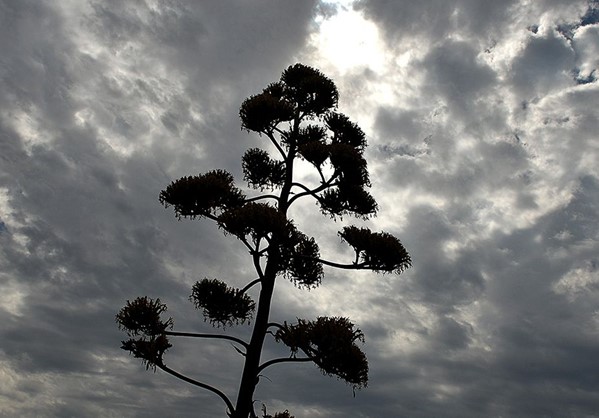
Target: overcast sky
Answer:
pixel 482 123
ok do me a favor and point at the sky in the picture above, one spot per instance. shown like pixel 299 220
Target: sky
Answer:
pixel 482 124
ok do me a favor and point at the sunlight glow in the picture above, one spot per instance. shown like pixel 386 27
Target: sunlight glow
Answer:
pixel 347 40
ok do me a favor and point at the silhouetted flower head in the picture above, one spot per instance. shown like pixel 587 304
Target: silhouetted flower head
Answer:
pixel 345 131
pixel 221 305
pixel 261 171
pixel 348 199
pixel 331 343
pixel 301 254
pixel 202 195
pixel 260 113
pixel 259 220
pixel 350 163
pixel 309 89
pixel 379 251
pixel 149 350
pixel 141 318
pixel 310 133
pixel 311 144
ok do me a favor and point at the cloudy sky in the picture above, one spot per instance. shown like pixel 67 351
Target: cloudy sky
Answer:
pixel 482 123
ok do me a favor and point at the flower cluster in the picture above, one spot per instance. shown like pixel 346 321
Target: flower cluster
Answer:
pixel 301 256
pixel 141 318
pixel 258 220
pixel 221 305
pixel 202 195
pixel 379 251
pixel 261 171
pixel 331 344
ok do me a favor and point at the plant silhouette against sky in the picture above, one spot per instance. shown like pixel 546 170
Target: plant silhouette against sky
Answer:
pixel 298 116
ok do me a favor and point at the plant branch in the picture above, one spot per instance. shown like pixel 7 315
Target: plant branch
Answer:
pixel 353 266
pixel 214 336
pixel 256 255
pixel 284 360
pixel 276 143
pixel 275 324
pixel 276 128
pixel 202 385
pixel 264 196
pixel 246 243
pixel 320 174
pixel 249 285
pixel 310 192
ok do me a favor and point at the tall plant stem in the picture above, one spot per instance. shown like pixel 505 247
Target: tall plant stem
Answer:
pixel 249 378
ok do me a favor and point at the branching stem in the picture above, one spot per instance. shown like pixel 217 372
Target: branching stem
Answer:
pixel 202 385
pixel 284 360
pixel 214 336
pixel 256 255
pixel 310 192
pixel 353 266
pixel 276 143
pixel 249 285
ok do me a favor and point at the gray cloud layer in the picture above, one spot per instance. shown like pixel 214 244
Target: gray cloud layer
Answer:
pixel 484 163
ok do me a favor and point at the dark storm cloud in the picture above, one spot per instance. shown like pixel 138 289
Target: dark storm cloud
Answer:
pixel 544 65
pixel 451 67
pixel 484 163
pixel 539 336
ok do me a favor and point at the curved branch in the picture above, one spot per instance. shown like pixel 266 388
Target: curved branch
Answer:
pixel 200 384
pixel 265 196
pixel 275 324
pixel 214 336
pixel 284 360
pixel 311 192
pixel 276 128
pixel 353 266
pixel 249 285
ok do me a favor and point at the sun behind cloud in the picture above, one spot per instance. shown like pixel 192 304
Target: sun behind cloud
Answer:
pixel 347 40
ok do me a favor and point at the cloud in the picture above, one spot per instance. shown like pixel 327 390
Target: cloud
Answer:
pixel 481 122
pixel 433 19
pixel 543 66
